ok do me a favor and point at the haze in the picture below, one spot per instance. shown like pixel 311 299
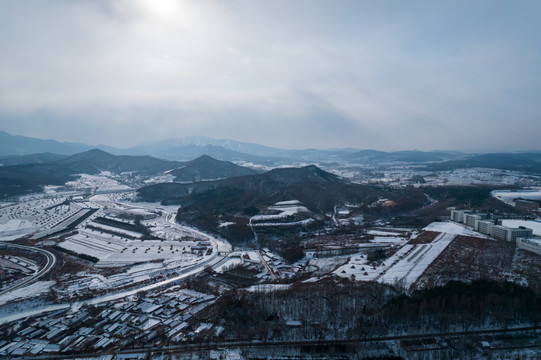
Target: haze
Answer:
pixel 387 75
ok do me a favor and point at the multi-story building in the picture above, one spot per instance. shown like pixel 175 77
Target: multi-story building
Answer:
pixel 458 215
pixel 481 224
pixel 521 232
pixel 499 232
pixel 484 226
pixel 472 219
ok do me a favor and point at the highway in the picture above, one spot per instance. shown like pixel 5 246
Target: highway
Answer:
pixel 51 261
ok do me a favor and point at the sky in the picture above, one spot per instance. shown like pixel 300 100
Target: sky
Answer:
pixel 385 75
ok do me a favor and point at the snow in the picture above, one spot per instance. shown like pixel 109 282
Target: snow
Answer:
pixel 450 228
pixel 407 264
pixel 227 223
pixel 383 233
pixel 285 211
pixel 288 202
pixel 36 289
pixel 293 223
pixel 15 228
pixel 165 178
pixel 14 225
pixel 116 230
pixel 388 239
pixel 228 264
pixel 509 195
pixel 268 287
pixel 534 225
pixel 409 268
pixel 232 354
pixel 102 182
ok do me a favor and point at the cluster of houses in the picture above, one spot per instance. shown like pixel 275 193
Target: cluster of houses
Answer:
pixel 485 224
pixel 108 326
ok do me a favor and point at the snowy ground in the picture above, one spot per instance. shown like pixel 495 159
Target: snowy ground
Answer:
pixel 508 195
pixel 408 269
pixel 279 213
pixel 170 255
pixel 35 213
pixel 101 183
pixel 267 287
pixel 237 258
pixel 113 250
pixel 407 264
pixel 392 240
pixel 451 228
pixel 228 264
pixel 389 232
pixel 36 289
pixel 283 210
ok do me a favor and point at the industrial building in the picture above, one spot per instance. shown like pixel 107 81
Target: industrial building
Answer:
pixel 533 245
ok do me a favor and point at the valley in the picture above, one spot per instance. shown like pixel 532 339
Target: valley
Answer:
pixel 128 251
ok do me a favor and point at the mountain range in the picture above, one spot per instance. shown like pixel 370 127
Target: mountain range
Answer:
pixel 25 150
pixel 192 147
pixel 319 190
pixel 27 173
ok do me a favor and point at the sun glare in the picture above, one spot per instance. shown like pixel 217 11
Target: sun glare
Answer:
pixel 162 8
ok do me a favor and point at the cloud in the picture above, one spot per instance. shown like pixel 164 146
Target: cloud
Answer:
pixel 386 75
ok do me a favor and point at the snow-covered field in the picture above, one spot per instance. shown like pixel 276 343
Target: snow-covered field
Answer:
pixel 231 262
pixel 284 209
pixel 237 258
pixel 384 232
pixel 408 263
pixel 175 251
pixel 408 269
pixel 102 182
pixel 36 289
pixel 115 251
pixel 267 287
pixel 280 212
pixel 451 228
pixel 508 195
pixel 36 213
pixel 388 240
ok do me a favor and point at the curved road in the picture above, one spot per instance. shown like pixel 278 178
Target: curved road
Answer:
pixel 215 258
pixel 51 260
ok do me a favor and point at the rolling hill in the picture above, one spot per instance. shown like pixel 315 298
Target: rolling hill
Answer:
pixel 207 204
pixel 205 168
pixel 23 179
pixel 39 158
pixel 28 173
pixel 319 190
pixel 95 161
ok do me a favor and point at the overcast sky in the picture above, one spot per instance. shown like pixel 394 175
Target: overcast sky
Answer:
pixel 387 75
